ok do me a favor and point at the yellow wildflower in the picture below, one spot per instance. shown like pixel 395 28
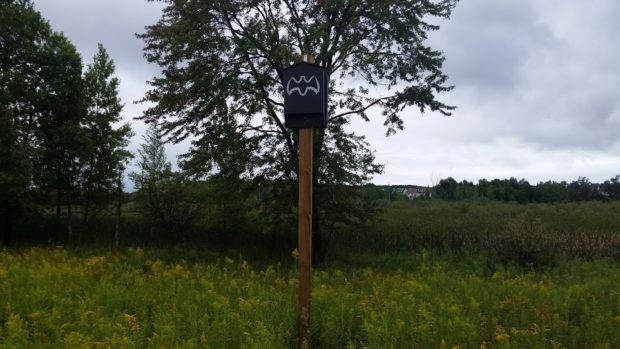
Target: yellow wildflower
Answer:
pixel 95 261
pixel 131 321
pixel 501 334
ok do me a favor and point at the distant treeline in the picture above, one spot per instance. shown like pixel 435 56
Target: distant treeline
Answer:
pixel 508 190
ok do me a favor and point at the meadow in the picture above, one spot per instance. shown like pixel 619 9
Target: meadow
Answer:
pixel 403 281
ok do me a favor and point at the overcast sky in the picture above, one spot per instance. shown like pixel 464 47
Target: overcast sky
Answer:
pixel 536 88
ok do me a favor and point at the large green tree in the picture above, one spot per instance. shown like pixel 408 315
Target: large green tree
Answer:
pixel 14 177
pixel 23 34
pixel 62 137
pixel 221 79
pixel 57 128
pixel 106 147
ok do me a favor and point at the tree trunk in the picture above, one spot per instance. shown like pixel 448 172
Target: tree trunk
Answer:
pixel 69 212
pixel 58 200
pixel 69 219
pixel 119 202
pixel 59 185
pixel 86 205
pixel 8 230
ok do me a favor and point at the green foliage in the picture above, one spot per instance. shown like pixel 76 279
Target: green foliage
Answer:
pixel 522 192
pixel 228 56
pixel 611 188
pixel 63 140
pixel 344 208
pixel 152 162
pixel 229 206
pixel 221 65
pixel 106 152
pixel 446 189
pixel 15 173
pixel 23 34
pixel 58 124
pixel 581 190
pixel 28 56
pixel 551 191
pixel 152 299
pixel 165 196
pixel 170 201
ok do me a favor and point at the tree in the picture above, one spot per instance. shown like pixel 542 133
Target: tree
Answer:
pixel 166 196
pixel 484 188
pixel 222 64
pixel 525 193
pixel 14 177
pixel 106 151
pixel 152 160
pixel 551 191
pixel 49 143
pixel 153 167
pixel 446 189
pixel 611 188
pixel 61 135
pixel 23 34
pixel 582 190
pixel 465 190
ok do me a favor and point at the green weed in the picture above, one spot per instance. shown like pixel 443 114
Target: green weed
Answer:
pixel 53 298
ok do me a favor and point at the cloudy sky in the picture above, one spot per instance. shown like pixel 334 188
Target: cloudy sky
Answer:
pixel 536 88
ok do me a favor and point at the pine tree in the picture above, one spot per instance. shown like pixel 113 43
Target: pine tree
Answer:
pixel 153 168
pixel 167 197
pixel 152 160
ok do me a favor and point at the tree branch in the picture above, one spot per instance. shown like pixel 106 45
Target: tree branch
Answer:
pixel 265 95
pixel 363 109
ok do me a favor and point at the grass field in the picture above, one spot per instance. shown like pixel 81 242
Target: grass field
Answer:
pixel 53 298
pixel 424 274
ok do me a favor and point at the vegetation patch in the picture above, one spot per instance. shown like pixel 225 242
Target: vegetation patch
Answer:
pixel 53 298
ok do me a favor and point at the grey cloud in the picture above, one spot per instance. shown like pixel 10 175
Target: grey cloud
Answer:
pixel 521 72
pixel 112 23
pixel 536 87
pixel 486 43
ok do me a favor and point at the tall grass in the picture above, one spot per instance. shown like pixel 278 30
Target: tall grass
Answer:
pixel 53 298
pixel 535 234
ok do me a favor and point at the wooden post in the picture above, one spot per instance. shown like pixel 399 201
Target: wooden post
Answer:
pixel 305 230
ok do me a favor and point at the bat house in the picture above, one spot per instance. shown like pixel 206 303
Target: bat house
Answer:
pixel 305 96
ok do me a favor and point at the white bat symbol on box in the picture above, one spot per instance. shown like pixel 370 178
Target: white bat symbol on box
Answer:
pixel 311 84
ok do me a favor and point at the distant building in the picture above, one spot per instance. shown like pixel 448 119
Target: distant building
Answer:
pixel 410 191
pixel 415 192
